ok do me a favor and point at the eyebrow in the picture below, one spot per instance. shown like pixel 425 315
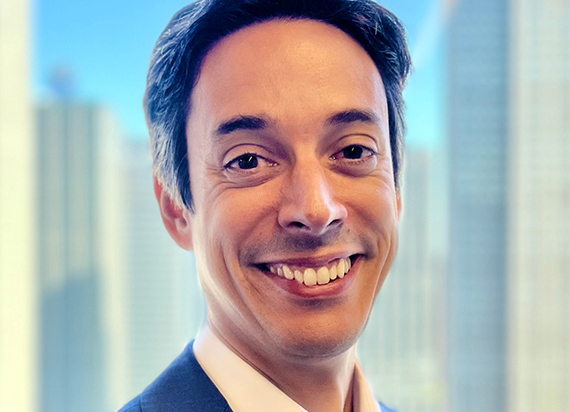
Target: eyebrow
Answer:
pixel 353 116
pixel 241 123
pixel 259 123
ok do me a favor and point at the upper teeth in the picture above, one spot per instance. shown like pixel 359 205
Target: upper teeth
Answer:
pixel 313 276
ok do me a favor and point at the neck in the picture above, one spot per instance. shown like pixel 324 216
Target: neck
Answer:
pixel 318 385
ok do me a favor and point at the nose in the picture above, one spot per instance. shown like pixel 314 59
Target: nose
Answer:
pixel 309 204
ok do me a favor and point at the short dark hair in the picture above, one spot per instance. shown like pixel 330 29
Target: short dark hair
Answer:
pixel 193 31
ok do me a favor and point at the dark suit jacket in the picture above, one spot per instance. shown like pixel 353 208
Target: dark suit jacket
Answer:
pixel 183 387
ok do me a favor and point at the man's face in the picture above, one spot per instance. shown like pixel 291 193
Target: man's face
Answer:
pixel 291 175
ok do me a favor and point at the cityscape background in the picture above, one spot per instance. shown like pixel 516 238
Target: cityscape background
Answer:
pixel 96 299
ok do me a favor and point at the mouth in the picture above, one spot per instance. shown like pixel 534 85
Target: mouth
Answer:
pixel 309 275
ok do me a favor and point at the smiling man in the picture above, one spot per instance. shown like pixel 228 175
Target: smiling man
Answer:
pixel 277 128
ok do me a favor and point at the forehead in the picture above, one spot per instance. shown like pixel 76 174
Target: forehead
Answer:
pixel 288 68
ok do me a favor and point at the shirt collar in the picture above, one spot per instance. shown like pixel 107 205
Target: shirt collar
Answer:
pixel 255 393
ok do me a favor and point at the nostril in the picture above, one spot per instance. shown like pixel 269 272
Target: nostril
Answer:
pixel 310 228
pixel 298 225
pixel 336 222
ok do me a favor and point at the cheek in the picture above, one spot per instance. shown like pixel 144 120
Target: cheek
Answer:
pixel 229 225
pixel 376 208
pixel 237 218
pixel 384 216
pixel 215 257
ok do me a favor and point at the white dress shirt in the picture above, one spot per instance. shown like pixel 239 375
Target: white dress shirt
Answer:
pixel 246 390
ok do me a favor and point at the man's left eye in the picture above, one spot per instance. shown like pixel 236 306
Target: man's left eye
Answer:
pixel 247 161
pixel 354 152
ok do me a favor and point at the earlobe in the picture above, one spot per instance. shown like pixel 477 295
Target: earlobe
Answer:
pixel 177 219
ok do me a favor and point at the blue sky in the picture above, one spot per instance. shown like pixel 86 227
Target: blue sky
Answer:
pixel 106 45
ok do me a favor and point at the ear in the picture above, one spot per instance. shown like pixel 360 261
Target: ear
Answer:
pixel 177 220
pixel 399 203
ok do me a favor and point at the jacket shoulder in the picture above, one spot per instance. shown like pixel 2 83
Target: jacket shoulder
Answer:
pixel 132 406
pixel 182 387
pixel 383 408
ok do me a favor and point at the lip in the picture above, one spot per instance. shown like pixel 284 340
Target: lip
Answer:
pixel 309 261
pixel 333 289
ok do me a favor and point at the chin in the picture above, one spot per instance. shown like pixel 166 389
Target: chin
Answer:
pixel 319 347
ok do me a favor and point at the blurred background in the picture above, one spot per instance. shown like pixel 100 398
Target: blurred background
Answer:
pixel 96 299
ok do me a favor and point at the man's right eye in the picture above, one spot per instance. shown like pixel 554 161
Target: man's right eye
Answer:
pixel 246 161
pixel 249 168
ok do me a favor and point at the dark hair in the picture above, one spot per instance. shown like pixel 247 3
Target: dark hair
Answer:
pixel 194 30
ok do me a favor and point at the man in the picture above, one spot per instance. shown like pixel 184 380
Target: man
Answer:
pixel 277 128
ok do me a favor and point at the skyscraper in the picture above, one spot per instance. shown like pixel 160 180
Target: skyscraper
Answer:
pixel 539 207
pixel 477 138
pixel 401 349
pixel 80 249
pixel 18 292
pixel 164 302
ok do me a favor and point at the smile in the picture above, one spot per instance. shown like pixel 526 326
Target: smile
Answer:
pixel 311 276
